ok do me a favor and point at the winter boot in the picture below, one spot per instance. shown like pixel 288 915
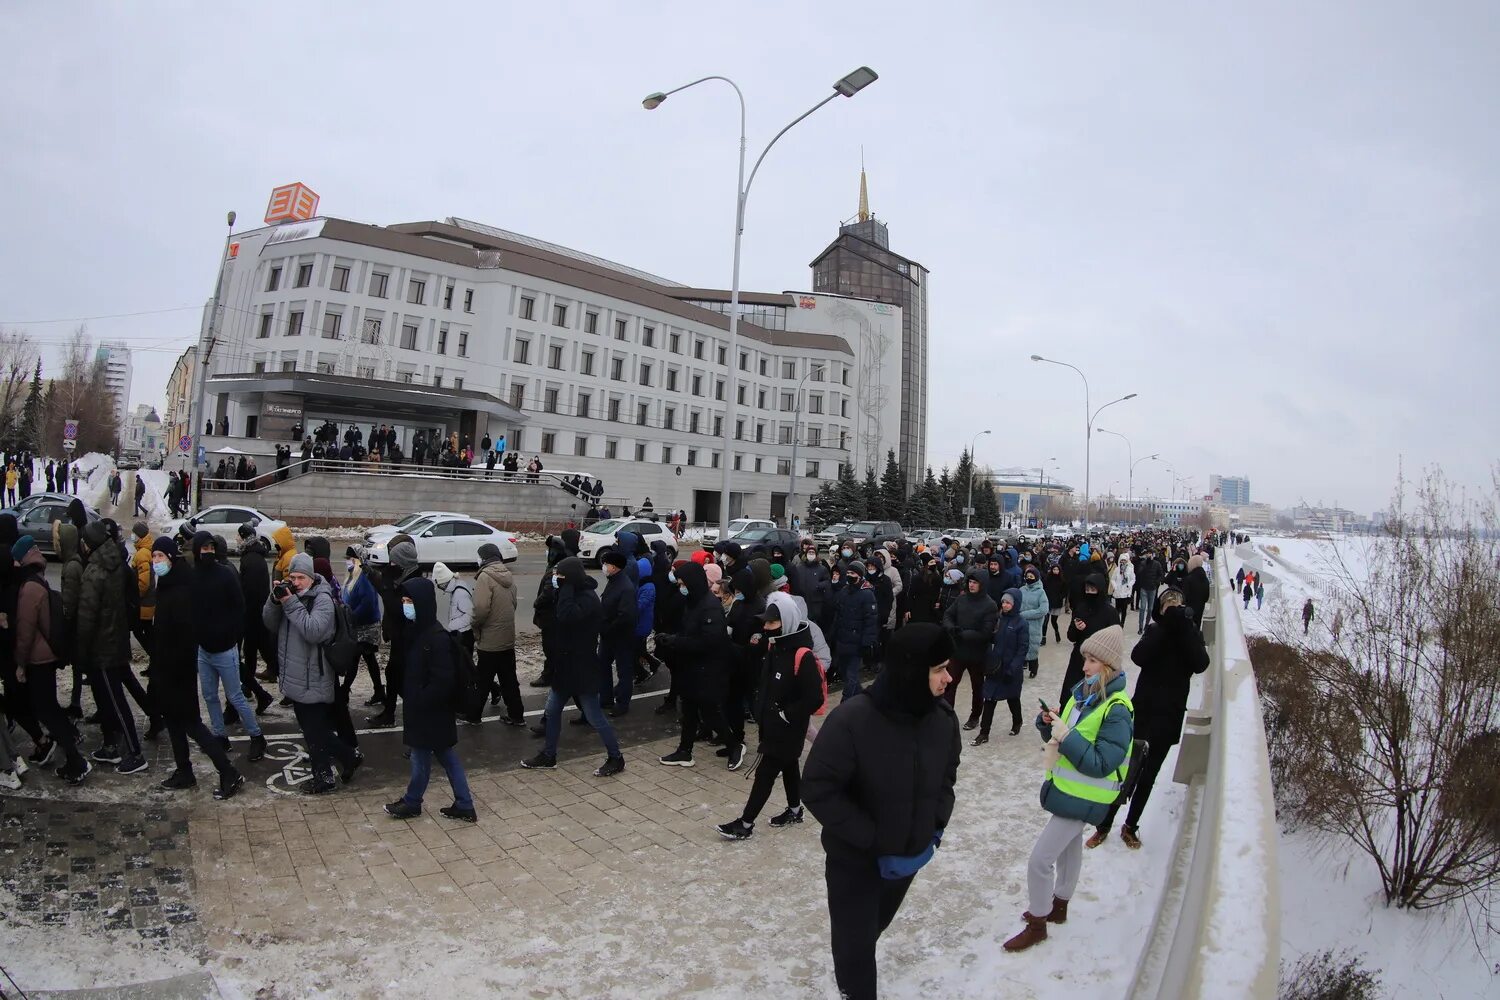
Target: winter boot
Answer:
pixel 346 774
pixel 401 810
pixel 154 730
pixel 1035 933
pixel 543 761
pixel 1128 835
pixel 229 783
pixel 257 748
pixel 179 779
pixel 1099 837
pixel 736 830
pixel 231 715
pixel 973 722
pixel 610 767
pixel 464 815
pixel 1059 914
pixel 980 740
pixel 263 701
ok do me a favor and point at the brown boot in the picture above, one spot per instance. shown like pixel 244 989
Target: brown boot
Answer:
pixel 1132 841
pixel 1099 837
pixel 1035 932
pixel 1059 914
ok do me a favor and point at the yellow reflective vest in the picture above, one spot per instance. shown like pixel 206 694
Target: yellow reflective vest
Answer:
pixel 1068 778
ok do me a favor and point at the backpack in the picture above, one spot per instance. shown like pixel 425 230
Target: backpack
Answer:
pixel 822 675
pixel 59 638
pixel 342 650
pixel 462 696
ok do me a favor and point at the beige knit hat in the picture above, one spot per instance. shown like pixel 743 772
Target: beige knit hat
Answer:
pixel 1106 645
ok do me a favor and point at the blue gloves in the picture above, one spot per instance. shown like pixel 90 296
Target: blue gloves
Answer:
pixel 896 866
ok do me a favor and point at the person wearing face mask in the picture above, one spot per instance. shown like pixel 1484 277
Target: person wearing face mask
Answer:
pixel 811 581
pixel 617 608
pixel 791 691
pixel 427 725
pixel 1005 667
pixel 364 609
pixel 300 614
pixel 856 627
pixel 1033 610
pixel 460 606
pixel 543 607
pixel 575 665
pixel 174 673
pixel 742 618
pixel 970 620
pixel 1091 612
pixel 730 556
pixel 880 779
pixel 36 662
pixel 219 625
pixel 403 566
pixel 701 647
pixel 1056 586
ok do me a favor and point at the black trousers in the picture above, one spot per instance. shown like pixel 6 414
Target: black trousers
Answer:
pixel 316 721
pixel 705 712
pixel 367 653
pixel 734 702
pixel 41 697
pixel 861 905
pixel 1151 764
pixel 766 773
pixel 178 731
pixel 258 642
pixel 395 676
pixel 115 717
pixel 989 714
pixel 497 666
pixel 343 722
pixel 1056 635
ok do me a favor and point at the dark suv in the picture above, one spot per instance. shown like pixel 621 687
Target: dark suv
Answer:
pixel 874 532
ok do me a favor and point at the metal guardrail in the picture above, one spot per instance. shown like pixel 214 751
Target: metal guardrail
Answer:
pixel 1217 930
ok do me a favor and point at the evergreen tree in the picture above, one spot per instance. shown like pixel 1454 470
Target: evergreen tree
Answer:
pixel 986 504
pixel 873 501
pixel 892 489
pixel 945 507
pixel 31 413
pixel 848 499
pixel 923 508
pixel 821 509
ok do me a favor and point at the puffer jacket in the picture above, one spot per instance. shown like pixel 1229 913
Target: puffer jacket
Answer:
pixel 700 649
pixel 286 547
pixel 1034 609
pixel 145 580
pixel 301 624
pixel 494 608
pixel 1096 760
pixel 855 618
pixel 787 696
pixel 103 618
pixel 645 599
pixel 574 660
pixel 174 652
pixel 970 620
pixel 33 612
pixel 1122 579
pixel 65 544
pixel 1007 657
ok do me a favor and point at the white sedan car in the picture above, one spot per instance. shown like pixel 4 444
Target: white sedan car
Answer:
pixel 738 526
pixel 224 520
pixel 597 537
pixel 382 533
pixel 451 540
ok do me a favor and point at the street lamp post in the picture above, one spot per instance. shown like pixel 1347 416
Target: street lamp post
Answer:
pixel 848 86
pixel 1088 430
pixel 205 354
pixel 791 483
pixel 1042 478
pixel 969 507
pixel 1131 479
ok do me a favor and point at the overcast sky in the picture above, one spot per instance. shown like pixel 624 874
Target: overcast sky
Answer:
pixel 1277 224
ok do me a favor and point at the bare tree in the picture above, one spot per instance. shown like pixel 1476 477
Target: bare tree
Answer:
pixel 81 394
pixel 18 355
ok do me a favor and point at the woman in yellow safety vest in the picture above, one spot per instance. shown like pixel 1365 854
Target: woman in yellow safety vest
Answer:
pixel 1088 752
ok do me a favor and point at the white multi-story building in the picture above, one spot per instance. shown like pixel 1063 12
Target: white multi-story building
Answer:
pixel 593 366
pixel 115 356
pixel 1233 491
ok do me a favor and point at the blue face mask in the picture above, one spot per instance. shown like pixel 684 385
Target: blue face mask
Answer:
pixel 847 553
pixel 409 611
pixel 161 568
pixel 683 591
pixel 739 597
pixel 556 582
pixel 671 576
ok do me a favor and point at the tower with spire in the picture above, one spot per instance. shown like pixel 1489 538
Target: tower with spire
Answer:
pixel 860 263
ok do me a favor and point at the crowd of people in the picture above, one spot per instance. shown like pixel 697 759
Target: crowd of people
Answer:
pixel 749 637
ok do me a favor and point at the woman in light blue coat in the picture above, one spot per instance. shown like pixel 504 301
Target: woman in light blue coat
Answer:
pixel 1034 610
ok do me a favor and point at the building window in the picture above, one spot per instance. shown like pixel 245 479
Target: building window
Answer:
pixel 698 349
pixel 757 464
pixel 266 319
pixel 738 461
pixel 669 418
pixel 648 334
pixel 846 376
pixel 516 439
pixel 785 434
pixel 817 373
pixel 274 281
pixel 718 426
pixel 614 410
pixel 458 383
pixel 722 352
pixel 378 284
pixel 294 324
pixel 739 395
pixel 814 437
pixel 437 380
pixel 522 351
pixel 666 454
pixel 812 470
pixel 372 331
pixel 586 363
pixel 744 362
pixel 442 344
pixel 448 295
pixel 463 344
pixel 692 456
pixel 640 451
pixel 331 323
pixel 697 385
pixel 617 369
pixel 814 404
pixel 719 390
pixel 788 402
pixel 783 466
pixel 642 413
pixel 739 430
pixel 591 322
pixel 365 371
pixel 620 329
pixel 554 356
pixel 304 275
pixel 582 409
pixel 548 440
pixel 580 445
pixel 289 366
pixel 693 422
pixel 713 459
pixel 559 315
pixel 760 433
pixel 468 300
pixel 645 374
pixel 760 400
pixel 674 343
pixel 789 369
pixel 528 307
pixel 763 367
pixel 843 407
pixel 260 366
pixel 549 400
pixel 416 291
pixel 672 380
pixel 409 336
pixel 340 282
pixel 611 448
pixel 517 397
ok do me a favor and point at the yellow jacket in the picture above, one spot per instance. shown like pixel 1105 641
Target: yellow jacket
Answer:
pixel 287 547
pixel 140 561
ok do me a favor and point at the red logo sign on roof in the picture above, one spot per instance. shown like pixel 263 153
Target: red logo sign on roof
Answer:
pixel 292 203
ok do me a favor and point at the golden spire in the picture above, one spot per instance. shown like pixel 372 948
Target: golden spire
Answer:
pixel 864 191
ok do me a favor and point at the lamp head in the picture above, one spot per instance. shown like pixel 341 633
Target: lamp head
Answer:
pixel 231 218
pixel 1131 396
pixel 653 101
pixel 856 81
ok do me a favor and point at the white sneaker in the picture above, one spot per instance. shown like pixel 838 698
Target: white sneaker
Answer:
pixel 10 779
pixel 21 766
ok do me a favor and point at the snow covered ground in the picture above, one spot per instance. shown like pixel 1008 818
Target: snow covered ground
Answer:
pixel 1330 895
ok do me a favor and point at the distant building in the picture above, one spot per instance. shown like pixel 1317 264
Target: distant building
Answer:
pixel 1231 491
pixel 180 390
pixel 115 356
pixel 1022 492
pixel 142 434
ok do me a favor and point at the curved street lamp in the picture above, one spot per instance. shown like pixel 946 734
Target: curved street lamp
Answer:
pixel 1088 429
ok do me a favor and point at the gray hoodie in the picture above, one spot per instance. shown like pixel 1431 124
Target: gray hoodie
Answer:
pixel 301 625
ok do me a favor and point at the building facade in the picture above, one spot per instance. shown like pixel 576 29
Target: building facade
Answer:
pixel 861 264
pixel 181 387
pixel 142 435
pixel 593 367
pixel 114 355
pixel 1232 491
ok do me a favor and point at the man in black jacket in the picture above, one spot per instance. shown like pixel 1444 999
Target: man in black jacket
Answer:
pixel 218 626
pixel 1148 573
pixel 255 585
pixel 1196 588
pixel 574 664
pixel 616 633
pixel 700 654
pixel 880 779
pixel 1092 611
pixel 403 566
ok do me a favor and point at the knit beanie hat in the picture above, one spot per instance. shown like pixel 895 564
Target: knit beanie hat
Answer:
pixel 441 574
pixel 1106 645
pixel 302 563
pixel 778 573
pixel 23 545
pixel 613 557
pixel 166 545
pixel 1194 562
pixel 140 530
pixel 714 572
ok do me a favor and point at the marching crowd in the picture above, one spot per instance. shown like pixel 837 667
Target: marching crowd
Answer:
pixel 748 637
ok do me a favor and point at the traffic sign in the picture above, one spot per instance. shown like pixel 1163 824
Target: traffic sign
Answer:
pixel 69 444
pixel 70 430
pixel 185 443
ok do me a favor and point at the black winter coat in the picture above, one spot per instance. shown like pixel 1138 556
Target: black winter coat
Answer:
pixel 742 621
pixel 881 781
pixel 970 620
pixel 1056 586
pixel 1096 611
pixel 700 648
pixel 787 697
pixel 174 650
pixel 1169 654
pixel 427 722
pixel 218 606
pixel 1195 591
pixel 103 618
pixel 855 622
pixel 812 582
pixel 577 615
pixel 255 584
pixel 1148 574
pixel 925 604
pixel 617 610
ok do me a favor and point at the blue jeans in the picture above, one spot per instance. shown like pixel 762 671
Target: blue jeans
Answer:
pixel 591 711
pixel 214 668
pixel 421 774
pixel 617 655
pixel 847 663
pixel 1146 603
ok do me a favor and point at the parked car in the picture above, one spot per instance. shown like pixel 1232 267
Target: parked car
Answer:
pixel 452 540
pixel 38 517
pixel 831 534
pixel 737 526
pixel 769 538
pixel 874 532
pixel 968 536
pixel 224 520
pixel 1033 534
pixel 383 532
pixel 597 537
pixel 1063 533
pixel 924 536
pixel 20 509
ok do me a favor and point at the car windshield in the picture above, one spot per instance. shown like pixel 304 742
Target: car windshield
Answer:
pixel 863 528
pixel 410 519
pixel 753 534
pixel 605 527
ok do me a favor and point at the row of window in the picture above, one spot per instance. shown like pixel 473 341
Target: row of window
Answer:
pixel 666 454
pixel 362 368
pixel 371 331
pixel 378 285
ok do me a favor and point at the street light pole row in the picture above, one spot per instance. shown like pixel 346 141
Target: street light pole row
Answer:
pixel 848 86
pixel 1088 429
